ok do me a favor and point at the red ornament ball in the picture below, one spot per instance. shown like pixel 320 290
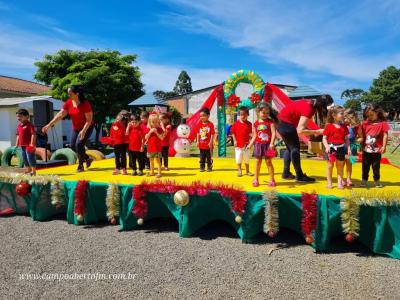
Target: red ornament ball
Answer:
pixel 349 238
pixel 309 239
pixel 271 234
pixel 23 189
pixel 113 221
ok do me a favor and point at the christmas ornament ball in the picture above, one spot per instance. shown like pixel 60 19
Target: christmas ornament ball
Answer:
pixel 140 221
pixel 309 239
pixel 181 198
pixel 238 219
pixel 79 218
pixel 271 234
pixel 349 238
pixel 23 189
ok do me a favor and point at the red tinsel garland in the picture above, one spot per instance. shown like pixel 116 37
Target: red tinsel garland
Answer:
pixel 233 100
pixel 267 94
pixel 80 197
pixel 309 218
pixel 237 197
pixel 255 98
pixel 220 96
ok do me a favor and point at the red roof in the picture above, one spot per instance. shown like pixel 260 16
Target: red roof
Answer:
pixel 21 86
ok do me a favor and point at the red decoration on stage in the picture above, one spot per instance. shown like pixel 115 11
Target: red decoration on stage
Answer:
pixel 255 98
pixel 237 197
pixel 80 198
pixel 267 94
pixel 233 100
pixel 349 238
pixel 309 218
pixel 23 189
pixel 220 96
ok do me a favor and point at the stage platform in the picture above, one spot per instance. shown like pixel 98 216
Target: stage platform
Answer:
pixel 186 170
pixel 370 216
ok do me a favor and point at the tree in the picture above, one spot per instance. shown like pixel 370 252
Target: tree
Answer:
pixel 161 95
pixel 184 84
pixel 385 90
pixel 110 79
pixel 352 98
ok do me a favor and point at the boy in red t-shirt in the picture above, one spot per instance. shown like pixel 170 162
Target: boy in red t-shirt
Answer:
pixel 26 140
pixel 136 140
pixel 241 132
pixel 119 141
pixel 205 139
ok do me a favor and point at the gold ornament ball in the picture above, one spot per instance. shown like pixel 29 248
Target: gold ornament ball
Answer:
pixel 140 221
pixel 181 198
pixel 238 219
pixel 79 218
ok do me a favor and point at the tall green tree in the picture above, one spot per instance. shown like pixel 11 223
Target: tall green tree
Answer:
pixel 184 84
pixel 385 90
pixel 161 95
pixel 353 98
pixel 110 79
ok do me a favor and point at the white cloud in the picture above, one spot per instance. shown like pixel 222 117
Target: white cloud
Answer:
pixel 314 36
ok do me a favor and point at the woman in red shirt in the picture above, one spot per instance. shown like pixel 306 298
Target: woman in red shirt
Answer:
pixel 293 121
pixel 81 114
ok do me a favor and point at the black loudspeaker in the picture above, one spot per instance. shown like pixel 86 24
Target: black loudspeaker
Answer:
pixel 42 113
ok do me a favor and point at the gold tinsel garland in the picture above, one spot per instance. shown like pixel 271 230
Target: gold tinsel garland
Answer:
pixel 350 211
pixel 57 193
pixel 56 184
pixel 113 199
pixel 271 224
pixel 351 206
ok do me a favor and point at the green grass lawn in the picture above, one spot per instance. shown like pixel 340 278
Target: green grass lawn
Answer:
pixel 393 157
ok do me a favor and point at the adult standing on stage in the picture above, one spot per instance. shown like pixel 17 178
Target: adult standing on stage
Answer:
pixel 293 121
pixel 81 114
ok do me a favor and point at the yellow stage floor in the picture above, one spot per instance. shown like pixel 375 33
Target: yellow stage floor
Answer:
pixel 186 170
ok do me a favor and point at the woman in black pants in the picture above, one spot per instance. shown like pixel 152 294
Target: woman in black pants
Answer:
pixel 293 121
pixel 81 114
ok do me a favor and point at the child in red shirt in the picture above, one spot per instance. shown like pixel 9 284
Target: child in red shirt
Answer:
pixel 153 139
pixel 144 118
pixel 119 141
pixel 264 133
pixel 26 140
pixel 166 126
pixel 241 132
pixel 136 141
pixel 355 138
pixel 375 136
pixel 336 141
pixel 205 139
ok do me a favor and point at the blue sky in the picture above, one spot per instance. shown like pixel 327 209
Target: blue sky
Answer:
pixel 329 45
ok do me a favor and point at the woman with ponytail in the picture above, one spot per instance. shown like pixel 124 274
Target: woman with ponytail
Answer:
pixel 293 121
pixel 81 114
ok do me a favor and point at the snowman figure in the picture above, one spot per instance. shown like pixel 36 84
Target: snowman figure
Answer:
pixel 182 143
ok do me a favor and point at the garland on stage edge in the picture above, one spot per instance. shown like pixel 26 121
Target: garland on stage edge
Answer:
pixel 80 199
pixel 236 196
pixel 271 224
pixel 113 199
pixel 351 208
pixel 57 193
pixel 309 217
pixel 16 178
